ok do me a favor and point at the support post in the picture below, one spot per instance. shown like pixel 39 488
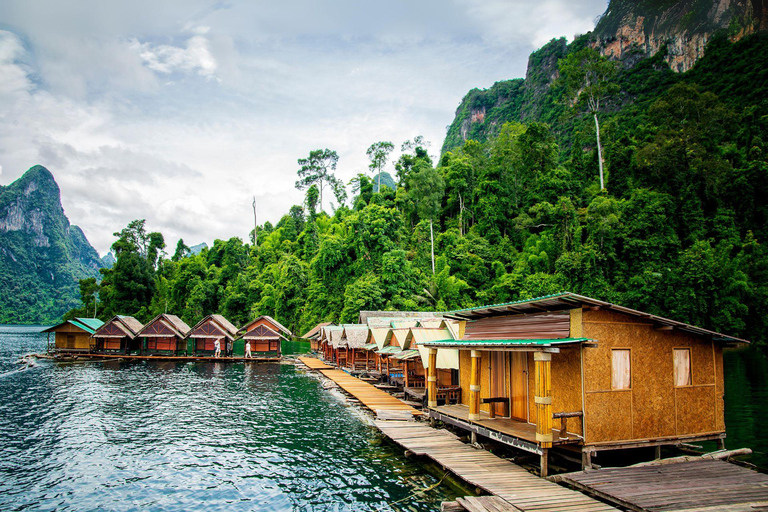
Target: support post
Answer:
pixel 432 378
pixel 658 452
pixel 405 374
pixel 543 400
pixel 544 462
pixel 586 459
pixel 474 387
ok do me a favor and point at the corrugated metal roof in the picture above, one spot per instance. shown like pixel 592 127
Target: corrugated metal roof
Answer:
pixel 370 346
pixel 406 354
pixel 503 343
pixel 315 331
pixel 91 323
pixel 390 349
pixel 567 300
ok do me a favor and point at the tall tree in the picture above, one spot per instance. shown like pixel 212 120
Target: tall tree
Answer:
pixel 378 154
pixel 587 78
pixel 318 169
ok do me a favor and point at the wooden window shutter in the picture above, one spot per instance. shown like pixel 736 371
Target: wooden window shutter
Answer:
pixel 682 360
pixel 621 369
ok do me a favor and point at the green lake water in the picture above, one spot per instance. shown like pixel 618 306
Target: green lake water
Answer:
pixel 190 436
pixel 229 436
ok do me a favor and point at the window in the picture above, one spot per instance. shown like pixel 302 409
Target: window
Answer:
pixel 621 369
pixel 682 359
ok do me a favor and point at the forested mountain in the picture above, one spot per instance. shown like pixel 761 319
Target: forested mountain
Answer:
pixel 517 210
pixel 42 257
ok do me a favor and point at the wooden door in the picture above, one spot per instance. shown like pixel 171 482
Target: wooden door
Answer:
pixel 498 380
pixel 518 373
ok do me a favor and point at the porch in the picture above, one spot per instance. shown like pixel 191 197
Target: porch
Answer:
pixel 512 432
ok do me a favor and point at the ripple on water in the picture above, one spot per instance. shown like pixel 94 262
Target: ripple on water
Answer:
pixel 172 436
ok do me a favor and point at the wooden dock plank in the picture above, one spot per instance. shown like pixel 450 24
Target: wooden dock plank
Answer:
pixel 692 485
pixel 517 487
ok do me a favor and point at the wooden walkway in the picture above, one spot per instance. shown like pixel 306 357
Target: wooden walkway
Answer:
pixel 704 485
pixel 132 357
pixel 522 490
pixel 380 402
pixel 314 363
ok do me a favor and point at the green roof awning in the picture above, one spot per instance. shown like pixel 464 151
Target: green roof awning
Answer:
pixel 370 346
pixel 407 354
pixel 503 343
pixel 390 349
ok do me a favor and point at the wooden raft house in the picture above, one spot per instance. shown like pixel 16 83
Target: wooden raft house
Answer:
pixel 72 336
pixel 201 339
pixel 264 335
pixel 581 376
pixel 313 335
pixel 119 335
pixel 352 342
pixel 164 335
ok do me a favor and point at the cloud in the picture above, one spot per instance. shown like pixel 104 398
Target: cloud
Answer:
pixel 195 56
pixel 182 117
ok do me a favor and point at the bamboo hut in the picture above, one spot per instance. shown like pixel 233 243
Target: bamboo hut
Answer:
pixel 201 340
pixel 447 364
pixel 313 335
pixel 338 353
pixel 119 335
pixel 264 334
pixel 325 345
pixel 396 342
pixel 577 374
pixel 377 338
pixel 164 335
pixel 353 339
pixel 73 336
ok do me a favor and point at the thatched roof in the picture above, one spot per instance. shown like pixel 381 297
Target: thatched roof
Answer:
pixel 394 315
pixel 354 335
pixel 126 326
pixel 219 323
pixel 325 331
pixel 277 324
pixel 315 333
pixel 335 336
pixel 174 323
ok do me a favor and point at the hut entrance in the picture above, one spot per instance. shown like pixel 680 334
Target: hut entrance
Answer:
pixel 518 371
pixel 499 387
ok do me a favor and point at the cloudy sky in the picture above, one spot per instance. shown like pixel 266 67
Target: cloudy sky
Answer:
pixel 180 111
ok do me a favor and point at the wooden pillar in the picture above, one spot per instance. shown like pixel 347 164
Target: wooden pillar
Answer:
pixel 405 373
pixel 586 459
pixel 474 387
pixel 544 462
pixel 543 400
pixel 432 378
pixel 367 353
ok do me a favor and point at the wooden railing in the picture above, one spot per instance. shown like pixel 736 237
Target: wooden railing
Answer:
pixel 563 417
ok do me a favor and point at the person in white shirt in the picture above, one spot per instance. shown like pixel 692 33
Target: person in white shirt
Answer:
pixel 217 348
pixel 248 349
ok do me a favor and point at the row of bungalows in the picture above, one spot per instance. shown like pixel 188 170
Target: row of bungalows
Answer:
pixel 563 374
pixel 168 335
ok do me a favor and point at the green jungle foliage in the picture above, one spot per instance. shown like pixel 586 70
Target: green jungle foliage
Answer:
pixel 680 230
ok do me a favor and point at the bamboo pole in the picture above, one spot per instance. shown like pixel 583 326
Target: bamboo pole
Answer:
pixel 474 387
pixel 543 400
pixel 432 378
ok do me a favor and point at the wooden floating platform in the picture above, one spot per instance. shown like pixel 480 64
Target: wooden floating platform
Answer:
pixel 696 486
pixel 96 357
pixel 380 402
pixel 519 489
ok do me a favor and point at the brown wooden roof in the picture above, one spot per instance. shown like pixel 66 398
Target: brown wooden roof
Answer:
pixel 261 332
pixel 274 322
pixel 567 300
pixel 315 331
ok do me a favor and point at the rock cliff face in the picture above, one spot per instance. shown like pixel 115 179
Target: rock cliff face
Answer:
pixel 41 255
pixel 630 30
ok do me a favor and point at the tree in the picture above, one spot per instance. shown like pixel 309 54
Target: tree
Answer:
pixel 586 76
pixel 378 154
pixel 317 169
pixel 182 251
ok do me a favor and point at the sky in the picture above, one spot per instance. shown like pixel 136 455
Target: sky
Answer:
pixel 180 112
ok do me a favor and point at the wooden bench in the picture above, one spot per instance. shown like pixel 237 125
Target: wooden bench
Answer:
pixel 497 400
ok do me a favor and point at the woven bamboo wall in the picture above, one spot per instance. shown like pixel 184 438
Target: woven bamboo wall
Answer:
pixel 653 407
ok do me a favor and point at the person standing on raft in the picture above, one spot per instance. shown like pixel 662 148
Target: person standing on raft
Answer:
pixel 217 348
pixel 248 349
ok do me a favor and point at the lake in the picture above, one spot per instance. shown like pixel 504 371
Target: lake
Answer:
pixel 190 436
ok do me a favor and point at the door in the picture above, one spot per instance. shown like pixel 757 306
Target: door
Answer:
pixel 519 385
pixel 499 381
